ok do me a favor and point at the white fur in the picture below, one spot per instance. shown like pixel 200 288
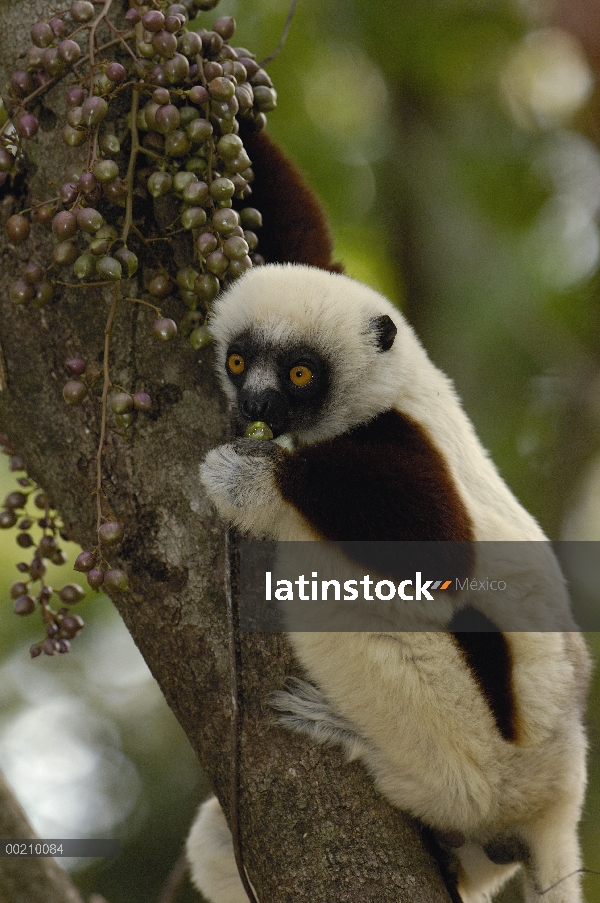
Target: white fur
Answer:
pixel 210 854
pixel 406 704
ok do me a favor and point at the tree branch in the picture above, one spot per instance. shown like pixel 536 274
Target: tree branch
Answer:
pixel 38 879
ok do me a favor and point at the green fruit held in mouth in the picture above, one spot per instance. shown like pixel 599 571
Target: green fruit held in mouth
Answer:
pixel 259 430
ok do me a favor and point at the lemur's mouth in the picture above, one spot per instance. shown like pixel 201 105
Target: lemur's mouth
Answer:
pixel 258 429
pixel 269 409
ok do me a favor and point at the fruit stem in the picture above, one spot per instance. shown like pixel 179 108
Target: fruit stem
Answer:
pixel 121 38
pixel 85 59
pixel 135 145
pixel 85 284
pixel 284 35
pixel 157 310
pixel 104 404
pixel 92 41
pixel 22 104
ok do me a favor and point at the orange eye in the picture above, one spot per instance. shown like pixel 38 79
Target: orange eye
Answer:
pixel 236 364
pixel 300 376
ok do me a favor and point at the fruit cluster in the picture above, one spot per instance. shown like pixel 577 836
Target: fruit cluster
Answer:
pixel 29 511
pixel 187 92
pixel 159 106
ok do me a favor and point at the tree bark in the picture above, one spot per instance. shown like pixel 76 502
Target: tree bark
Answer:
pixel 31 880
pixel 313 827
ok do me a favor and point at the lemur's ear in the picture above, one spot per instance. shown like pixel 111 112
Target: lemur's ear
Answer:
pixel 385 330
pixel 295 228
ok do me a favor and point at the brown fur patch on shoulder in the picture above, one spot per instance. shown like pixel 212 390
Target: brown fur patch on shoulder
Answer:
pixel 295 228
pixel 384 480
pixel 488 656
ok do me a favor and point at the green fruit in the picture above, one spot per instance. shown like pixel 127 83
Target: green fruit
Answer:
pixel 239 164
pixel 238 267
pixel 121 402
pixel 21 292
pixel 206 242
pixel 167 118
pixel 43 293
pixel 221 89
pixel 71 594
pixel 99 246
pixel 200 338
pixel 85 266
pixel 93 111
pixel 207 287
pixel 106 170
pixel 222 189
pixel 109 268
pixel 128 261
pixel 74 117
pixel 199 130
pixel 225 221
pixel 149 114
pixel 186 277
pixel 259 430
pixel 190 44
pixel 265 98
pixel 188 114
pixel 74 391
pixel 177 144
pixel 196 192
pixel 89 220
pixel 82 11
pixel 64 253
pixel 189 298
pixel 110 144
pixel 164 329
pixel 251 218
pixel 108 233
pixel 235 247
pixel 197 165
pixel 217 263
pixel 17 228
pixel 229 146
pixel 193 217
pixel 176 70
pixel 251 239
pixel 115 580
pixel 72 136
pixel 125 420
pixel 159 184
pixel 181 179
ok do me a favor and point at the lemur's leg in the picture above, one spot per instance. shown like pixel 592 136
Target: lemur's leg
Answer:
pixel 479 878
pixel 211 858
pixel 555 856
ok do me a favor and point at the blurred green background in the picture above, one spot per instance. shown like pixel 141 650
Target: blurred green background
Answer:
pixel 455 146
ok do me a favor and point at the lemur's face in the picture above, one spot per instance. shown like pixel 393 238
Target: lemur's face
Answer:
pixel 285 388
pixel 310 353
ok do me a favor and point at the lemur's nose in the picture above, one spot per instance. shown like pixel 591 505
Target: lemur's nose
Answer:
pixel 269 406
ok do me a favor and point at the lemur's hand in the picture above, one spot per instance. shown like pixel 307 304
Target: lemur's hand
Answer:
pixel 241 474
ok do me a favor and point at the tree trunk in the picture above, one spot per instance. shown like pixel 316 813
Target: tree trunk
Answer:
pixel 32 880
pixel 312 826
